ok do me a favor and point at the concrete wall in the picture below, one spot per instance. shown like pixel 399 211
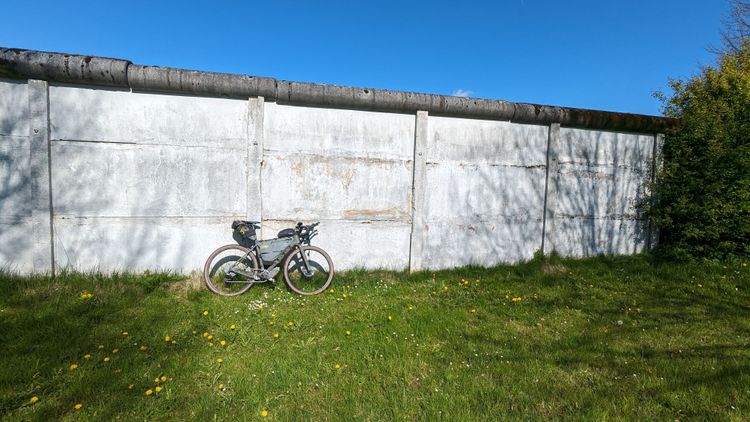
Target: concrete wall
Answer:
pixel 144 180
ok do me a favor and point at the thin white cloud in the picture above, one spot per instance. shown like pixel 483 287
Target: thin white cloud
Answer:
pixel 462 93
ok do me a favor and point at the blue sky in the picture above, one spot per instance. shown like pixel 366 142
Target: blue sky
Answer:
pixel 609 55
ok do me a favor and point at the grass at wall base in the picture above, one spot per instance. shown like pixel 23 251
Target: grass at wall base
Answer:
pixel 601 338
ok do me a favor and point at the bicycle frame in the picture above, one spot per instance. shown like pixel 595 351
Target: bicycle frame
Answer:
pixel 262 274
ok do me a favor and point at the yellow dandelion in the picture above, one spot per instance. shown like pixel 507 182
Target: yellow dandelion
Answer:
pixel 411 308
pixel 290 323
pixel 149 392
pixel 78 406
pixel 275 335
pixel 125 333
pixel 516 299
pixel 87 356
pixel 223 343
pixel 338 366
pixel 264 413
pixel 219 360
pixel 157 389
pixel 205 334
pixel 157 379
pixel 167 338
pixel 445 288
pixel 344 296
pixel 174 342
pixel 232 327
pixel 210 345
pixel 73 366
pixel 115 350
pixel 143 348
pixel 163 378
pixel 348 333
pixel 260 307
pixel 34 399
pixel 473 311
pixel 390 318
pixel 210 337
pixel 195 332
pixel 100 347
pixel 130 386
pixel 106 359
pixel 221 386
pixel 205 313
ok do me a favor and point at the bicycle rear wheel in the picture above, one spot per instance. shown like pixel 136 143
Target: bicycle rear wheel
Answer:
pixel 229 270
pixel 309 274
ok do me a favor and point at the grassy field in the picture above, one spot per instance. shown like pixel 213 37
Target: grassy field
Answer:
pixel 604 338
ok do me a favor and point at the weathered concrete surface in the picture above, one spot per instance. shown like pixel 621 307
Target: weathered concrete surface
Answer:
pixel 142 180
pixel 123 180
pixel 357 244
pixel 484 192
pixel 39 175
pixel 106 115
pixel 602 176
pixel 349 169
pixel 16 248
pixel 137 244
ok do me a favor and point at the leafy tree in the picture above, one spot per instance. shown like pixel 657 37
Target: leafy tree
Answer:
pixel 701 201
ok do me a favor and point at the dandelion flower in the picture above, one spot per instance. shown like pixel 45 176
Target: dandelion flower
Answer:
pixel 87 356
pixel 157 389
pixel 390 318
pixel 205 334
pixel 516 299
pixel 124 333
pixel 210 345
pixel 34 399
pixel 163 378
pixel 473 311
pixel 73 366
pixel 106 358
pixel 205 313
pixel 219 360
pixel 232 327
pixel 100 347
pixel 275 335
pixel 143 348
pixel 167 338
pixel 130 386
pixel 157 379
pixel 223 343
pixel 149 392
pixel 338 366
pixel 290 323
pixel 78 406
pixel 445 289
pixel 210 337
pixel 221 387
pixel 264 413
pixel 348 333
pixel 115 350
pixel 174 342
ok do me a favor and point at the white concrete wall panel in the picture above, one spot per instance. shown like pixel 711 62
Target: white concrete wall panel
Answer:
pixel 121 180
pixel 108 115
pixel 602 177
pixel 484 192
pixel 14 108
pixel 16 249
pixel 137 244
pixel 343 133
pixel 357 244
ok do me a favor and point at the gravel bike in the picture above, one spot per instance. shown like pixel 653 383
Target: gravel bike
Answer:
pixel 232 269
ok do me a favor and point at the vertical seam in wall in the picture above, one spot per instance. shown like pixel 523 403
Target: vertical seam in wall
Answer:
pixel 417 192
pixel 49 186
pixel 652 236
pixel 553 134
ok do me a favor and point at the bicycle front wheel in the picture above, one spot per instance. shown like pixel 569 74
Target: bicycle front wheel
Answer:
pixel 229 270
pixel 308 274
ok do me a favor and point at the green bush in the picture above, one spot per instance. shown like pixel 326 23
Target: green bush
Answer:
pixel 701 200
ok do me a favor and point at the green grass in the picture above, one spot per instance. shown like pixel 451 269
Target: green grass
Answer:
pixel 604 338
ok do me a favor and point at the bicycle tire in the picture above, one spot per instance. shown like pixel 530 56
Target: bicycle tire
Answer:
pixel 296 285
pixel 209 270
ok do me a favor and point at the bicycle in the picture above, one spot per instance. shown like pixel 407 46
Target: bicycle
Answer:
pixel 232 269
